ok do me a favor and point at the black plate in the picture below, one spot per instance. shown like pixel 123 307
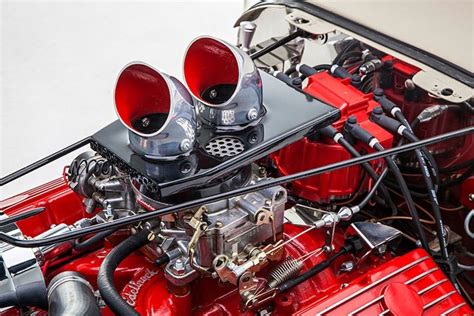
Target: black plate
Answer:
pixel 291 114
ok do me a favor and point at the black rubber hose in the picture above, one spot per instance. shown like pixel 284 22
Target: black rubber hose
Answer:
pixel 371 193
pixel 415 123
pixel 88 243
pixel 31 294
pixel 321 67
pixel 368 168
pixel 408 198
pixel 105 278
pixel 432 197
pixel 313 271
pixel 164 259
pixel 290 70
pixel 21 216
pixel 440 230
pixel 429 157
pixel 352 45
pixel 331 132
pixel 443 185
pixel 348 55
pixel 8 299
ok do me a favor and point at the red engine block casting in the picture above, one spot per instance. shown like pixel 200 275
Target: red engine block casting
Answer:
pixel 407 285
pixel 343 183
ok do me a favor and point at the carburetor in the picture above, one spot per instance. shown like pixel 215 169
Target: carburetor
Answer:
pixel 221 238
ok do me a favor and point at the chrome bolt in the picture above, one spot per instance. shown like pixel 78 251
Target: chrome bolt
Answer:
pixel 300 20
pixel 253 138
pixel 382 249
pixel 185 145
pixel 178 266
pixel 471 197
pixel 347 266
pixel 409 84
pixel 213 94
pixel 328 249
pixel 185 167
pixel 252 114
pixel 145 121
pixel 219 224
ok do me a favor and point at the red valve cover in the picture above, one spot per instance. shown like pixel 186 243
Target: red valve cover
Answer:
pixel 408 285
pixel 341 183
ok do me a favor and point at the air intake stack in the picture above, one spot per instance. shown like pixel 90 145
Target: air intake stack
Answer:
pixel 157 110
pixel 225 83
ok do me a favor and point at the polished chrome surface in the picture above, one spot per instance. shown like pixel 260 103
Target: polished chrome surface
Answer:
pixel 19 265
pixel 210 57
pixel 246 32
pixel 165 96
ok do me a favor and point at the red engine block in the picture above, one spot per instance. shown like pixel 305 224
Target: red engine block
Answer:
pixel 342 183
pixel 405 285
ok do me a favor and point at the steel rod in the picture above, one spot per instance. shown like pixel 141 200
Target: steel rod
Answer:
pixel 277 44
pixel 259 186
pixel 46 160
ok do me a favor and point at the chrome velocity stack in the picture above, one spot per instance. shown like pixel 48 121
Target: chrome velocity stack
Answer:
pixel 225 83
pixel 157 110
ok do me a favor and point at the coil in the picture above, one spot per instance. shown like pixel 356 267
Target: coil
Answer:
pixel 284 272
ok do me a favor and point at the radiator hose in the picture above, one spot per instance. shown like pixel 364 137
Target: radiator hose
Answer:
pixel 105 278
pixel 32 294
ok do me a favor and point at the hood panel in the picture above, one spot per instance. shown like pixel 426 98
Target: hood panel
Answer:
pixel 443 28
pixel 437 36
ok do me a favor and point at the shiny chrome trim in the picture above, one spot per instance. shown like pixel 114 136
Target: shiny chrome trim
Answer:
pixel 245 105
pixel 454 308
pixel 177 135
pixel 430 287
pixel 439 299
pixel 418 277
pixel 375 300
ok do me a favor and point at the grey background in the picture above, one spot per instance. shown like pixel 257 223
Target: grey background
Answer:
pixel 60 59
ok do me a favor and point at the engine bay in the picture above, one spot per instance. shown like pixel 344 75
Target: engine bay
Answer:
pixel 264 183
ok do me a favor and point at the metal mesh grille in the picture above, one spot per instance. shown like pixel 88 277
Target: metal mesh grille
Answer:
pixel 224 146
